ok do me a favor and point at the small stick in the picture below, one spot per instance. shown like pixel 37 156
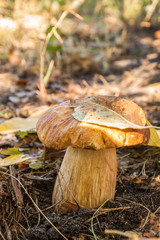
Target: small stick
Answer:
pixel 74 5
pixel 141 206
pixel 103 211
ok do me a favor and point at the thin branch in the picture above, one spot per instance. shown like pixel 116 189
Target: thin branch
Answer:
pixel 76 14
pixel 151 10
pixel 104 211
pixel 43 51
pixel 2 236
pixel 75 4
pixel 158 209
pixel 146 220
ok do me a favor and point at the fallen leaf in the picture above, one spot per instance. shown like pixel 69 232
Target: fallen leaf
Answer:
pixel 22 124
pixel 23 134
pixel 95 113
pixel 157 178
pixel 13 159
pixel 80 237
pixel 35 165
pixel 18 124
pixel 154 136
pixel 67 206
pixel 22 164
pixel 157 34
pixel 10 151
pixel 154 226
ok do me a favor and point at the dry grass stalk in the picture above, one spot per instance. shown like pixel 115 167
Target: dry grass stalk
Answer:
pixel 54 32
pixel 151 10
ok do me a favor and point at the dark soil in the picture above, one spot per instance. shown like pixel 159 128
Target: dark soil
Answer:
pixel 131 210
pixel 129 213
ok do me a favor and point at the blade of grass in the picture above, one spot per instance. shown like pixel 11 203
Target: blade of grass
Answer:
pixel 49 71
pixel 74 5
pixel 92 228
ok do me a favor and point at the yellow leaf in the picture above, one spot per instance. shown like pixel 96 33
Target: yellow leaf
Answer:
pixel 18 124
pixel 14 159
pixel 154 136
pixel 22 124
pixel 91 111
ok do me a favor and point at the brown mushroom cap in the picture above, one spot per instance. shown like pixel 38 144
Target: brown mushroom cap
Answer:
pixel 57 128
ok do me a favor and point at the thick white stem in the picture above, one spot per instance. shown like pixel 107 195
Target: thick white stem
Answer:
pixel 87 176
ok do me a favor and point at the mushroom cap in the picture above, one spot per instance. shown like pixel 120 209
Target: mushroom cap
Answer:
pixel 57 128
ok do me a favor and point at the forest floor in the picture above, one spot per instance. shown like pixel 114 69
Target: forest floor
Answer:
pixel 134 74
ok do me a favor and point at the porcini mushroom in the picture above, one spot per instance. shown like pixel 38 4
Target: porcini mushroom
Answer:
pixel 91 129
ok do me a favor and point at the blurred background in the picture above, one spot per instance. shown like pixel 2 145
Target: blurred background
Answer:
pixel 100 47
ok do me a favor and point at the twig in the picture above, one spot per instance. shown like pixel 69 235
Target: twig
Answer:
pixel 52 206
pixel 139 205
pixel 76 14
pixel 158 209
pixel 2 235
pixel 128 200
pixel 17 189
pixel 43 50
pixel 151 10
pixel 75 4
pixel 9 235
pixel 34 203
pixel 103 211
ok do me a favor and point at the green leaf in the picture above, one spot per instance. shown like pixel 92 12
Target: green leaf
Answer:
pixel 23 134
pixel 61 2
pixel 10 151
pixel 49 29
pixel 86 18
pixel 52 48
pixel 35 165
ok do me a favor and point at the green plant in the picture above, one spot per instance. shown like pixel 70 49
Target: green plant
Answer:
pixel 92 228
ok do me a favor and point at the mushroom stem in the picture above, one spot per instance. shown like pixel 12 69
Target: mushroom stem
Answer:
pixel 87 177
